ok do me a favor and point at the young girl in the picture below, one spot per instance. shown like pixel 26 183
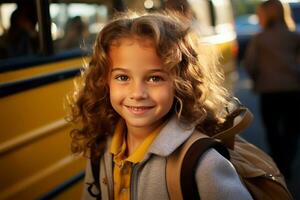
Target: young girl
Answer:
pixel 271 61
pixel 147 89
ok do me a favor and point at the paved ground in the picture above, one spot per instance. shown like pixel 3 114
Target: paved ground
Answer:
pixel 255 133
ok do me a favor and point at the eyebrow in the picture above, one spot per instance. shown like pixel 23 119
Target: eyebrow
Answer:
pixel 150 71
pixel 119 69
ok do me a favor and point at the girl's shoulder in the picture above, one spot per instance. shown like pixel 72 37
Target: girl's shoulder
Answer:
pixel 217 178
pixel 213 163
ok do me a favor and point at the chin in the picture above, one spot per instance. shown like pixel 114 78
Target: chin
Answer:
pixel 140 123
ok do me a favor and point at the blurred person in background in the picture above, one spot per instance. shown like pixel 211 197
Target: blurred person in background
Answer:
pixel 76 32
pixel 21 39
pixel 272 61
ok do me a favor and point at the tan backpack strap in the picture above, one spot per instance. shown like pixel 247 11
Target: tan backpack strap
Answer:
pixel 239 124
pixel 174 164
pixel 175 160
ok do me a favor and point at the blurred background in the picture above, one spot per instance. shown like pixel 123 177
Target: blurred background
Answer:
pixel 43 45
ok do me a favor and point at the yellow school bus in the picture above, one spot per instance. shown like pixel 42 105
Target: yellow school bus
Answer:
pixel 42 46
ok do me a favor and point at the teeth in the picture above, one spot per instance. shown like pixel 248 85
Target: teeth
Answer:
pixel 137 108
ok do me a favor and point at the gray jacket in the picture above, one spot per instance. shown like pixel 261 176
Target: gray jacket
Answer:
pixel 215 176
pixel 273 60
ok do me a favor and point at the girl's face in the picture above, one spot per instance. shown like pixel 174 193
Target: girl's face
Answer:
pixel 141 90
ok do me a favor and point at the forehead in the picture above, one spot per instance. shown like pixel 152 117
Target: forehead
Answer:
pixel 134 52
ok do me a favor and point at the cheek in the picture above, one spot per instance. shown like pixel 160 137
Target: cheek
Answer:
pixel 114 93
pixel 166 98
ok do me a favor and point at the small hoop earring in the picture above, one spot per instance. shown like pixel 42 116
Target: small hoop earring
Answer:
pixel 178 106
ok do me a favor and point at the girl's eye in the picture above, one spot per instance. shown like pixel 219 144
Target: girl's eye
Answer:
pixel 155 78
pixel 122 78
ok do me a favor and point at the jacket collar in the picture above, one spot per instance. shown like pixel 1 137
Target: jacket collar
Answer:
pixel 171 137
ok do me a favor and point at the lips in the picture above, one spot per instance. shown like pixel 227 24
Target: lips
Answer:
pixel 138 110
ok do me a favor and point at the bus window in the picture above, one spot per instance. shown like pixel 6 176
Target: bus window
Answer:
pixel 18 30
pixel 224 17
pixel 6 10
pixel 197 11
pixel 75 25
pixel 202 13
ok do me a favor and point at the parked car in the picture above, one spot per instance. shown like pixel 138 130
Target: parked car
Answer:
pixel 246 26
pixel 295 9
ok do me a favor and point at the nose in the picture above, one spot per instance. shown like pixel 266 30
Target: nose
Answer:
pixel 138 91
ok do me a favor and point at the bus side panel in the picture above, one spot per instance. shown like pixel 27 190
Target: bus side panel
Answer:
pixel 35 157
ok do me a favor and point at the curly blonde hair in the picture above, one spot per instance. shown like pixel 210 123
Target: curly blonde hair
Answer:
pixel 199 95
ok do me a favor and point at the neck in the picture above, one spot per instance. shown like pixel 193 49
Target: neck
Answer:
pixel 136 135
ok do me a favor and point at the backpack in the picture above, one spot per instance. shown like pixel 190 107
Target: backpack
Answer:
pixel 256 169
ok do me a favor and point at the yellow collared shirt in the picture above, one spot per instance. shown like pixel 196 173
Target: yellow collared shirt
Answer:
pixel 122 163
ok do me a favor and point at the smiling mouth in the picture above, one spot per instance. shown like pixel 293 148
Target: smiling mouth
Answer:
pixel 139 109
